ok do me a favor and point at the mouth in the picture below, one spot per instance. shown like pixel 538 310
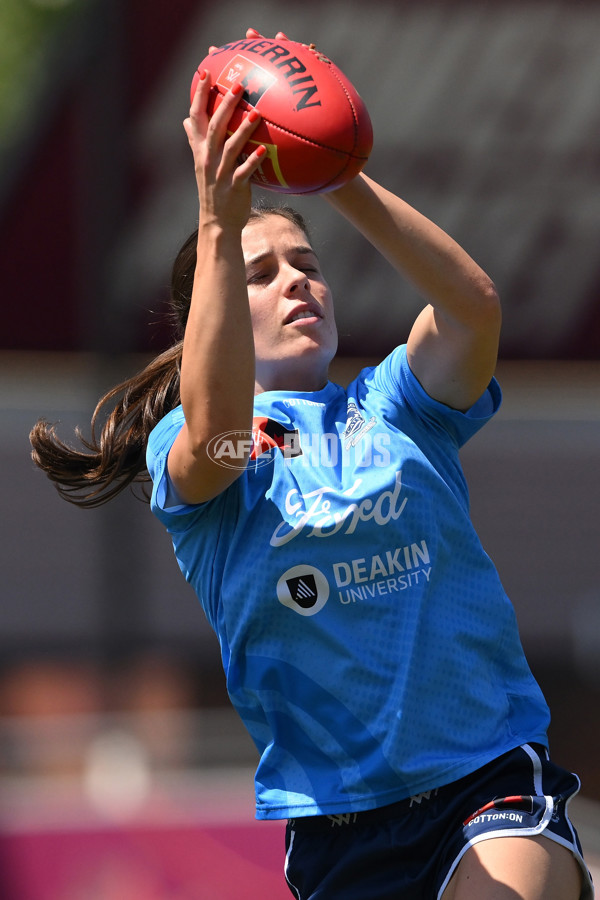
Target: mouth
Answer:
pixel 304 313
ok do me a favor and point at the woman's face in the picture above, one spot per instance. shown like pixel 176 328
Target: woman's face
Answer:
pixel 291 306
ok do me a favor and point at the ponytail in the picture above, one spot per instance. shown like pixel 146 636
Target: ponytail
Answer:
pixel 115 455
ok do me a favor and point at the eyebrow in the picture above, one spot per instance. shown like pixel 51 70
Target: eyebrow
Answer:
pixel 301 250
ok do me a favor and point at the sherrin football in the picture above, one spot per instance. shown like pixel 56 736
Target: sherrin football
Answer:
pixel 314 125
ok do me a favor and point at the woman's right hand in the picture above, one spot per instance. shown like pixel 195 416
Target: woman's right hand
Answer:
pixel 223 181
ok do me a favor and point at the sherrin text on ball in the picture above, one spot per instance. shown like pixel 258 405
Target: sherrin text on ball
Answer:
pixel 314 124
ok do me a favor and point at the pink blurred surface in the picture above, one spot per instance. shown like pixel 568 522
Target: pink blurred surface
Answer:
pixel 221 862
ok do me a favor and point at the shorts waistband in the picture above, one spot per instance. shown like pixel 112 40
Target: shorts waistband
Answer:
pixel 365 817
pixel 402 807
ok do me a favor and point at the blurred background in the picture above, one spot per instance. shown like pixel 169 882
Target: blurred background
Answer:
pixel 123 772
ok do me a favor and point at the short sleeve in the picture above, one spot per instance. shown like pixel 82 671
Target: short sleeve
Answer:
pixel 394 377
pixel 164 502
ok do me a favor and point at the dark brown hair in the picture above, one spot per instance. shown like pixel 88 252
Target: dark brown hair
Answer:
pixel 114 456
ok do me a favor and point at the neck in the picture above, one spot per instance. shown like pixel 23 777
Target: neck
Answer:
pixel 291 381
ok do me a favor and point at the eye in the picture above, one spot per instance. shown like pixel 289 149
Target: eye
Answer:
pixel 258 278
pixel 310 269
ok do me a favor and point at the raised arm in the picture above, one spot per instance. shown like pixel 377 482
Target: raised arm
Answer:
pixel 217 369
pixel 453 344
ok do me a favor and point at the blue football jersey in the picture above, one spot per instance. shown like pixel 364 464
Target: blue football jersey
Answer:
pixel 367 641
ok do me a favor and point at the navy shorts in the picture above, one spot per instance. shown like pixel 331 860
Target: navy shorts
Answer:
pixel 412 848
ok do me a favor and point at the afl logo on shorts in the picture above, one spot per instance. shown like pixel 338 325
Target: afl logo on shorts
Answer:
pixel 303 589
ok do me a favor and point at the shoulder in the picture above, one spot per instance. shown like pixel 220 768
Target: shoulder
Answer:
pixel 164 433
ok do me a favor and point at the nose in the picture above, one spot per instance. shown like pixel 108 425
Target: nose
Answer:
pixel 297 281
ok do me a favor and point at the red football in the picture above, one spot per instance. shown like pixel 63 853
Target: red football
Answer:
pixel 315 126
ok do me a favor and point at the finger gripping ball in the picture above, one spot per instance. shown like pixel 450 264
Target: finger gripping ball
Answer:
pixel 314 125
